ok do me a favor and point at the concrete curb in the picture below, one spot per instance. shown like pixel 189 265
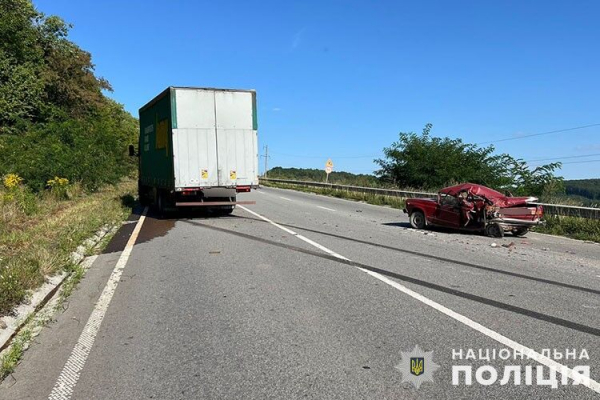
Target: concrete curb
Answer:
pixel 13 323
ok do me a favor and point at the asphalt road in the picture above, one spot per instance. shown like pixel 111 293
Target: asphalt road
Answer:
pixel 321 303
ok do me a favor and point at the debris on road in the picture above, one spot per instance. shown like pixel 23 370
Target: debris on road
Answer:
pixel 494 245
pixel 509 246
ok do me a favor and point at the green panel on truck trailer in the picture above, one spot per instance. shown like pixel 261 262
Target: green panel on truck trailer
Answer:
pixel 156 145
pixel 254 112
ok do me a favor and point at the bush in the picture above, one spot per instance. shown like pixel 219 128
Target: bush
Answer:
pixel 573 227
pixel 17 196
pixel 59 188
pixel 92 151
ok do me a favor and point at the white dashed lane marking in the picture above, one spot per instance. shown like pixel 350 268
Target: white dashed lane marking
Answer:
pixel 325 208
pixel 565 371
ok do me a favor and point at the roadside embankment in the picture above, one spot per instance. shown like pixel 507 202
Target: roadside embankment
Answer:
pixel 38 233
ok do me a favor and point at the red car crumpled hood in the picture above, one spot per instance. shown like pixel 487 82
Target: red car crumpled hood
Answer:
pixel 497 198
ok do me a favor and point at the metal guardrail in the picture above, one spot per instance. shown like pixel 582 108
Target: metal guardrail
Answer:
pixel 550 209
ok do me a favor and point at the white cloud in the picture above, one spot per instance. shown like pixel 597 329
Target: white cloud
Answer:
pixel 297 38
pixel 276 109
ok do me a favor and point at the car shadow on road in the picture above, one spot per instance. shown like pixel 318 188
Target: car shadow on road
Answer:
pixel 437 229
pixel 404 225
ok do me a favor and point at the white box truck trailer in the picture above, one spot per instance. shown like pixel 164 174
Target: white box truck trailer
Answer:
pixel 198 147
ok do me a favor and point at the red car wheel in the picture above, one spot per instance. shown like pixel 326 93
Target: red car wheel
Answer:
pixel 417 220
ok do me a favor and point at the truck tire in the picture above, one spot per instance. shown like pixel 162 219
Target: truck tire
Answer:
pixel 160 203
pixel 494 230
pixel 143 194
pixel 226 211
pixel 417 220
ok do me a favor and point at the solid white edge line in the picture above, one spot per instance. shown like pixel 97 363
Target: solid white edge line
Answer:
pixel 577 377
pixel 65 384
pixel 285 198
pixel 325 208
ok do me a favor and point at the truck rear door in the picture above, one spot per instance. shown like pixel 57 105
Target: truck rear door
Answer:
pixel 194 139
pixel 236 138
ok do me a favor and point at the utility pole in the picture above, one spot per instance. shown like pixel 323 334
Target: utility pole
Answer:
pixel 266 156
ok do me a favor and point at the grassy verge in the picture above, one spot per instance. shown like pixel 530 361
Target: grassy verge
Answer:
pixel 10 360
pixel 573 227
pixel 378 200
pixel 50 233
pixel 36 244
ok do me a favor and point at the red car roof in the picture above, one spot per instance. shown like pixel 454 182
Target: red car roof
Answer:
pixel 492 195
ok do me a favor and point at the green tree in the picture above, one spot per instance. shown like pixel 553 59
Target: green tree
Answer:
pixel 54 117
pixel 430 162
pixel 424 161
pixel 539 181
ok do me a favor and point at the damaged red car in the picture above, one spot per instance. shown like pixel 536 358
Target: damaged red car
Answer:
pixel 471 207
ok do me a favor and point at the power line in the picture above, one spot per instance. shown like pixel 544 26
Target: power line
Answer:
pixel 336 157
pixel 570 162
pixel 581 162
pixel 538 134
pixel 563 158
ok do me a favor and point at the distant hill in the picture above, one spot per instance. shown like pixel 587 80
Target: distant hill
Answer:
pixel 318 175
pixel 588 188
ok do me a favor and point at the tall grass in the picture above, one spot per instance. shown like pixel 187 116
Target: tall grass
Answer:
pixel 573 227
pixel 38 232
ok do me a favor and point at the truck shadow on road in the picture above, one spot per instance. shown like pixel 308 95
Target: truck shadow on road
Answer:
pixel 155 224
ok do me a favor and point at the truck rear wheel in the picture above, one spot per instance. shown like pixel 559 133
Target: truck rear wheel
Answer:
pixel 226 211
pixel 160 202
pixel 143 194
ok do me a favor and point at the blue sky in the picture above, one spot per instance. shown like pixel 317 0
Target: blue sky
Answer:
pixel 340 79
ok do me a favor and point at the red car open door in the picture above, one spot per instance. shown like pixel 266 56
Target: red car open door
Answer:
pixel 447 212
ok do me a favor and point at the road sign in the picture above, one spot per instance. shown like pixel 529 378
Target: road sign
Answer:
pixel 328 169
pixel 329 166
